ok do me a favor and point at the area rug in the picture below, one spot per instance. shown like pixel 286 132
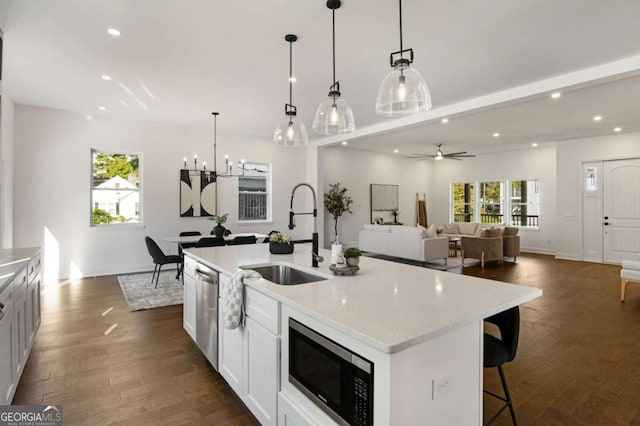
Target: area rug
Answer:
pixel 141 294
pixel 452 262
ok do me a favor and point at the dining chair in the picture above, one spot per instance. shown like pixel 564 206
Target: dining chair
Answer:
pixel 250 239
pixel 498 351
pixel 186 245
pixel 160 259
pixel 210 242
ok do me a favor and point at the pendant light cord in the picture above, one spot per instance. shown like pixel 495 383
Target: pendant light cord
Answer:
pixel 400 3
pixel 333 14
pixel 290 77
pixel 215 131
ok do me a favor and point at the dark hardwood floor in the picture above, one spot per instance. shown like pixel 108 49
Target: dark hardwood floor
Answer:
pixel 578 360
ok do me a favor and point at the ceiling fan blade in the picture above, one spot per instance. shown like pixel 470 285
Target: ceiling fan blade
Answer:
pixel 451 154
pixel 463 155
pixel 421 155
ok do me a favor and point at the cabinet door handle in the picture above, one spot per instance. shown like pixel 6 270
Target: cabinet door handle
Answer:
pixel 1 306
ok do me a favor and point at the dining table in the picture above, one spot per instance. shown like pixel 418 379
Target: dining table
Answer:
pixel 192 239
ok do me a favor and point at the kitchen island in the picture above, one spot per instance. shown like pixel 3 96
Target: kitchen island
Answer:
pixel 419 327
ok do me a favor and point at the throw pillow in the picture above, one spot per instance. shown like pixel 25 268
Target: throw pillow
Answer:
pixel 451 228
pixel 490 233
pixel 510 231
pixel 432 231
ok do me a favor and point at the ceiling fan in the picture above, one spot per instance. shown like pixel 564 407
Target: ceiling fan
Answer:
pixel 439 155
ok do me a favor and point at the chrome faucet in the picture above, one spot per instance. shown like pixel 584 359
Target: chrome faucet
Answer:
pixel 315 258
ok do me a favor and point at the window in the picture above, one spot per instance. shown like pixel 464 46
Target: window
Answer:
pixel 491 209
pixel 525 203
pixel 115 188
pixel 254 198
pixel 488 202
pixel 463 204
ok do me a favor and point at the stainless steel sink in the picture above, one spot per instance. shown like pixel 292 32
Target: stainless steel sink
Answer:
pixel 284 274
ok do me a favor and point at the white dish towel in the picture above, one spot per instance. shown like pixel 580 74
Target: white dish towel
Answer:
pixel 234 299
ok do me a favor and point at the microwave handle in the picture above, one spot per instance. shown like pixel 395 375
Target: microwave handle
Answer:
pixel 334 348
pixel 321 340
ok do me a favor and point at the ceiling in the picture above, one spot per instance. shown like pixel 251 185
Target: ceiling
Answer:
pixel 178 61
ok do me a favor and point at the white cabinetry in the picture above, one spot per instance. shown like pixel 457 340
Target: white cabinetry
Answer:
pixel 189 299
pixel 289 414
pixel 19 322
pixel 249 356
pixel 7 337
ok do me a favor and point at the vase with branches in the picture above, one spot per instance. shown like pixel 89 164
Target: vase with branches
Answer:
pixel 337 202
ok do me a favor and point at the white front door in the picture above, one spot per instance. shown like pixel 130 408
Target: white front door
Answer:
pixel 621 210
pixel 592 229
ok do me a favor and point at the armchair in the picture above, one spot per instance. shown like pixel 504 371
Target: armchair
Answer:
pixel 630 273
pixel 483 248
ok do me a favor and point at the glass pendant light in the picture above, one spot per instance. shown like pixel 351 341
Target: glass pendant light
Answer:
pixel 403 91
pixel 290 131
pixel 334 115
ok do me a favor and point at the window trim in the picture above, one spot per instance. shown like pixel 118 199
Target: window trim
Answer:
pixel 118 225
pixel 506 203
pixel 269 195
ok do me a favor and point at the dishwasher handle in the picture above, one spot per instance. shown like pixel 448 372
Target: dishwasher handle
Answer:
pixel 206 277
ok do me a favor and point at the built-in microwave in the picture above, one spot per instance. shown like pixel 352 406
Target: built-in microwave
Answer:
pixel 339 381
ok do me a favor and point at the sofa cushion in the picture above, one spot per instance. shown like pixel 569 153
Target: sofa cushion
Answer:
pixel 432 231
pixel 510 231
pixel 376 228
pixel 491 233
pixel 467 228
pixel 451 228
pixel 409 230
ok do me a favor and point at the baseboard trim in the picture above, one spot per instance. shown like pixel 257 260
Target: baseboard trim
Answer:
pixel 568 256
pixel 537 250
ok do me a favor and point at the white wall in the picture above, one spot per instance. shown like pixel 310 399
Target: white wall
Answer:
pixel 538 163
pixel 357 170
pixel 52 185
pixel 7 109
pixel 570 155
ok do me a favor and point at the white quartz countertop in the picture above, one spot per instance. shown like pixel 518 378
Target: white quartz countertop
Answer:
pixel 12 261
pixel 389 306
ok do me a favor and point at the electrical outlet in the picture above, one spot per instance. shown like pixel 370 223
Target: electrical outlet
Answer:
pixel 441 386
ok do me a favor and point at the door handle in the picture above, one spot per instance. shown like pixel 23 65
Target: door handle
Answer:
pixel 606 223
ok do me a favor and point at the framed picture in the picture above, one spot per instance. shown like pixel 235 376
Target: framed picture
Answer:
pixel 384 198
pixel 197 193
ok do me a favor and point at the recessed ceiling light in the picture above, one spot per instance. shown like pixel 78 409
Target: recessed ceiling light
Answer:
pixel 617 129
pixel 344 142
pixel 101 108
pixel 597 118
pixel 106 77
pixel 496 135
pixel 444 120
pixel 556 95
pixel 534 144
pixel 114 32
pixel 396 151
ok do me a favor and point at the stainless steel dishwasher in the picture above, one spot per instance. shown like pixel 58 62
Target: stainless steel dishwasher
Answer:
pixel 207 313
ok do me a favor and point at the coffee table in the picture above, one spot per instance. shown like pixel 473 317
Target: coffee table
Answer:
pixel 454 245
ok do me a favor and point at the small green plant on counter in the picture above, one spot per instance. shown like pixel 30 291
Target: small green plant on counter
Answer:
pixel 280 238
pixel 219 219
pixel 352 252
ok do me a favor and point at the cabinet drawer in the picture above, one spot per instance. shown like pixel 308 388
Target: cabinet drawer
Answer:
pixel 33 268
pixel 263 309
pixel 190 266
pixel 6 298
pixel 20 283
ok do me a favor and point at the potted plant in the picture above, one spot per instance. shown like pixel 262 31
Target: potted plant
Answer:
pixel 218 230
pixel 337 202
pixel 280 244
pixel 352 256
